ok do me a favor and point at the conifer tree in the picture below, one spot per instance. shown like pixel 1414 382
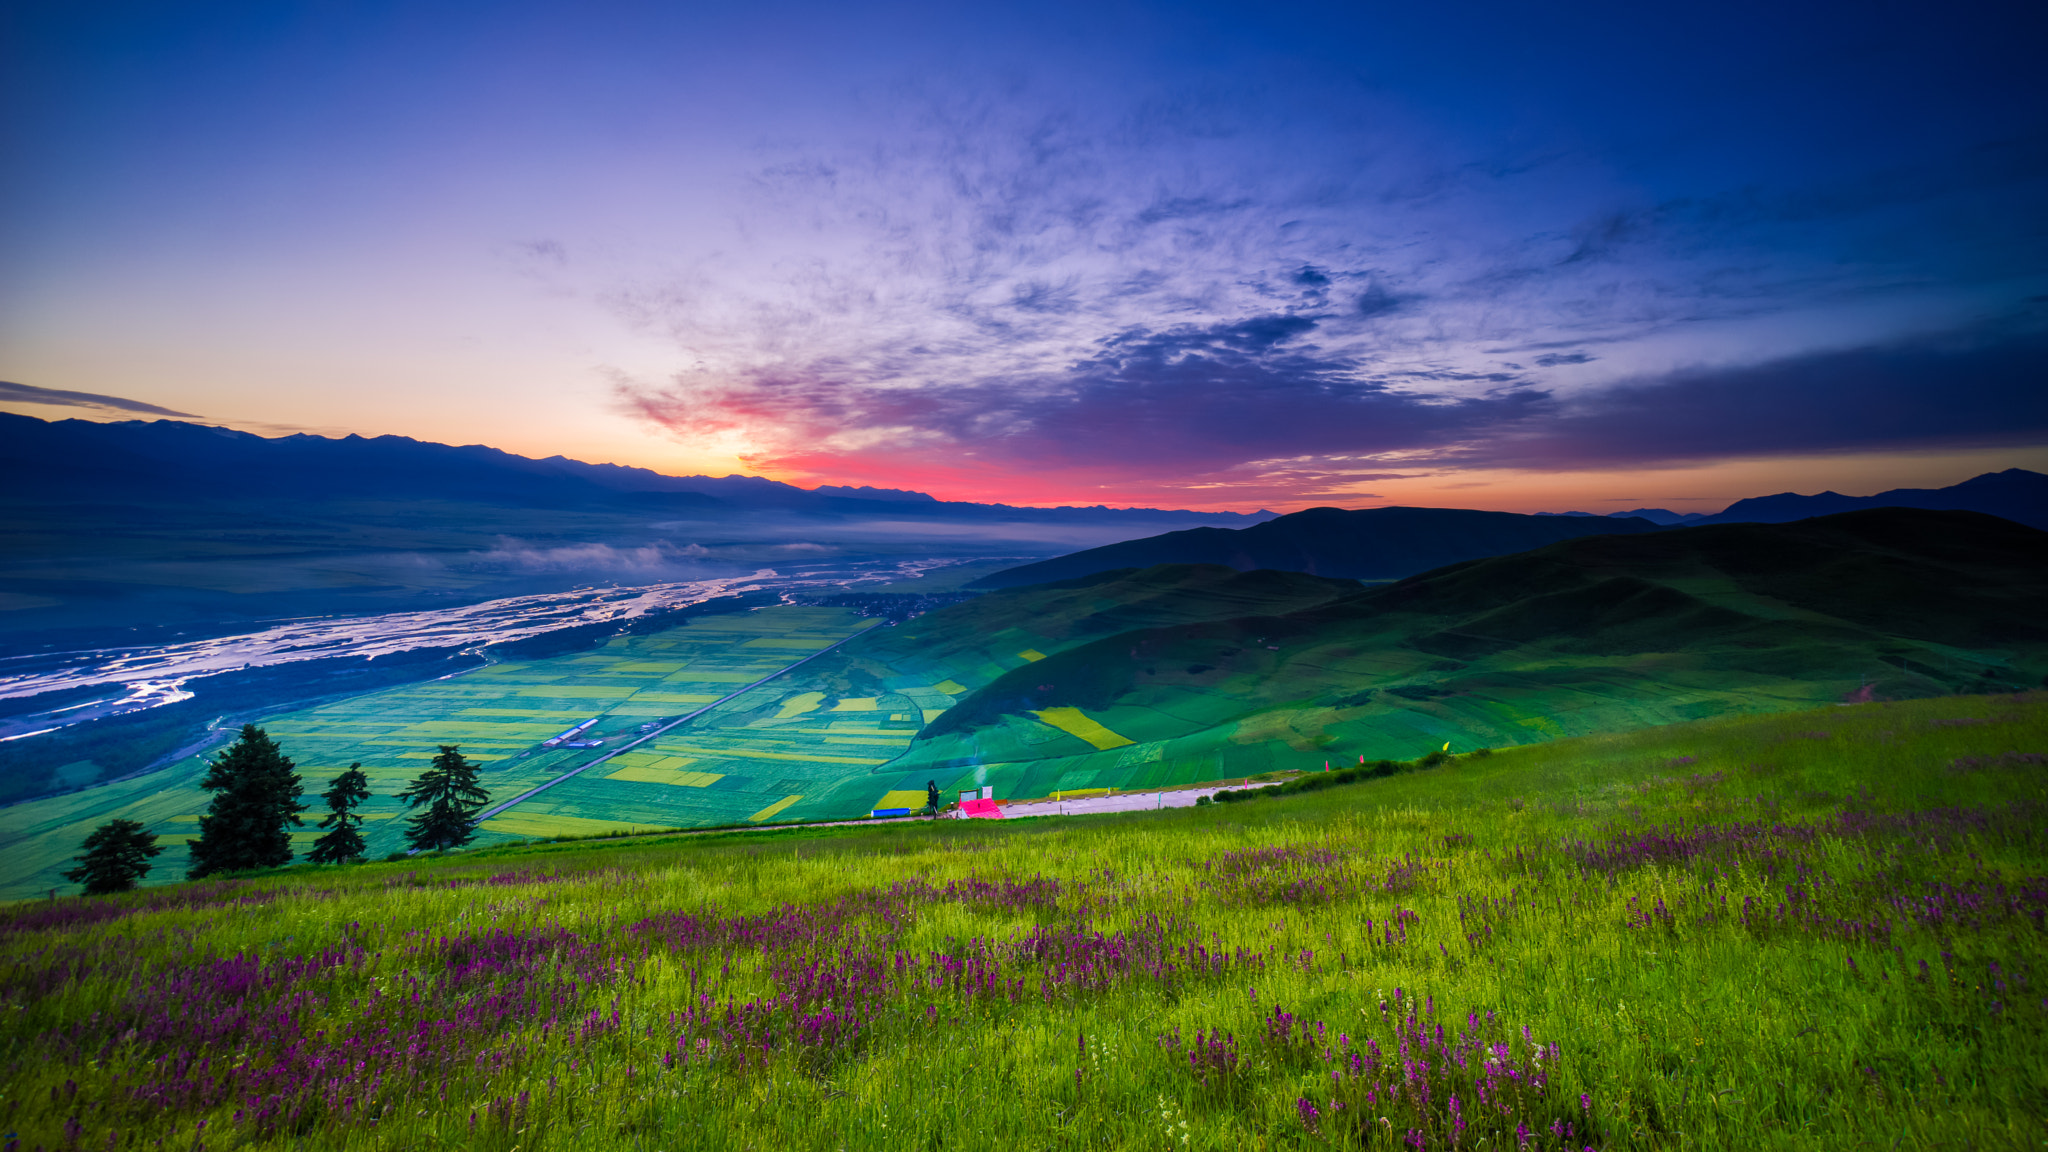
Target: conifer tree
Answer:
pixel 449 790
pixel 344 845
pixel 116 856
pixel 255 803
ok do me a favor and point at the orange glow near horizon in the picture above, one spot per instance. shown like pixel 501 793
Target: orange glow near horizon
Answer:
pixel 1705 487
pixel 1702 487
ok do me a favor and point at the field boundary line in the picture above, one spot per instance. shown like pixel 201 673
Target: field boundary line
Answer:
pixel 537 789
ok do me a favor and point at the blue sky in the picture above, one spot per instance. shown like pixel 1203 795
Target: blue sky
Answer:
pixel 1210 256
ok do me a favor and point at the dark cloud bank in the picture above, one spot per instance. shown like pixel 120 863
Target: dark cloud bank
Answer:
pixel 1958 390
pixel 1204 400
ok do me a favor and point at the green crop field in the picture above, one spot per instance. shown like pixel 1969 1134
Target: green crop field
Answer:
pixel 1811 930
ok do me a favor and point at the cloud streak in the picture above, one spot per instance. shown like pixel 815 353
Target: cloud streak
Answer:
pixel 30 394
pixel 660 558
pixel 1957 390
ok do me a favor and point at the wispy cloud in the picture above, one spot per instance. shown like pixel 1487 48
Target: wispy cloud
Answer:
pixel 1024 295
pixel 645 561
pixel 30 394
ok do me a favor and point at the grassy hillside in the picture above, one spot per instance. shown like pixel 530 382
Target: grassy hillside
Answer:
pixel 1595 634
pixel 992 634
pixel 1784 932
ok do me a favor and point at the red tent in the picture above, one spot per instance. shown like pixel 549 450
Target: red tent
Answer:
pixel 980 810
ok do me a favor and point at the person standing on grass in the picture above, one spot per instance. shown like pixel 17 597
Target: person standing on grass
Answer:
pixel 344 845
pixel 116 856
pixel 932 803
pixel 453 798
pixel 255 805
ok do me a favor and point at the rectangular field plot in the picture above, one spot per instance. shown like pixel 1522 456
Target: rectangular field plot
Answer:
pixel 729 800
pixel 675 777
pixel 775 809
pixel 1074 722
pixel 518 824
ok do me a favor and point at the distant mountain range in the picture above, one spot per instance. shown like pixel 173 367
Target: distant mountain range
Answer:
pixel 1392 543
pixel 2014 494
pixel 156 531
pixel 1663 516
pixel 169 461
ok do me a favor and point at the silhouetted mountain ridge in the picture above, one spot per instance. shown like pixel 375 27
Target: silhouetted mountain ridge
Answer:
pixel 1392 543
pixel 161 461
pixel 2014 494
pixel 1360 544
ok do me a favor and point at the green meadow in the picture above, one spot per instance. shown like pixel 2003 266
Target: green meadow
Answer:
pixel 1810 930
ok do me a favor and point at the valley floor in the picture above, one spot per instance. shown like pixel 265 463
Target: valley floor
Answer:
pixel 822 742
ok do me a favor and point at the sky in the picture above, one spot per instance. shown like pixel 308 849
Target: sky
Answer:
pixel 1586 255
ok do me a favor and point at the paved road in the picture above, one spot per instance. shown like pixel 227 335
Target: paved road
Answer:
pixel 1134 802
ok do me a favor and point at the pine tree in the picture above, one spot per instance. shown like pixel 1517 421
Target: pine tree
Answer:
pixel 344 845
pixel 449 790
pixel 255 803
pixel 116 856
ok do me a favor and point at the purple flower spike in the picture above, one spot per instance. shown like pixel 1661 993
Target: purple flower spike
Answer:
pixel 1306 1109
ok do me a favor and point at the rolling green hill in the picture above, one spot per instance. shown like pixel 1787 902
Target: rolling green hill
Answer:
pixel 984 637
pixel 1589 635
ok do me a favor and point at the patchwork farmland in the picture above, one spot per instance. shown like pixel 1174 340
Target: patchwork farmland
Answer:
pixel 816 743
pixel 757 757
